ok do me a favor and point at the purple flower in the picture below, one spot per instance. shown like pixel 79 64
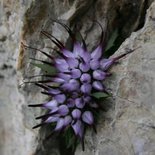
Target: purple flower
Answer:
pixel 79 75
pixel 60 98
pixel 105 64
pixel 76 73
pixel 52 119
pixel 97 53
pixel 94 64
pixel 73 85
pixel 79 103
pixel 98 85
pixel 78 128
pixel 70 103
pixel 60 124
pixel 87 117
pixel 54 91
pixel 51 104
pixel 54 110
pixel 68 54
pixel 77 50
pixel 85 78
pixel 99 75
pixel 84 66
pixel 73 63
pixel 86 88
pixel 63 110
pixel 81 53
pixel 62 65
pixel 64 76
pixel 67 120
pixel 58 80
pixel 76 113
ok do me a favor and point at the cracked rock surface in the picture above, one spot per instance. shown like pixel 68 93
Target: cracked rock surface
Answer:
pixel 127 126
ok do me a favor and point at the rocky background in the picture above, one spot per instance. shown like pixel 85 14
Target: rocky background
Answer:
pixel 127 126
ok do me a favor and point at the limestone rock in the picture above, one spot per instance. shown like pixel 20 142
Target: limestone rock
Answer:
pixel 127 126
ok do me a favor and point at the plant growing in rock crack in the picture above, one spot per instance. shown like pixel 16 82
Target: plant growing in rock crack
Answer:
pixel 75 84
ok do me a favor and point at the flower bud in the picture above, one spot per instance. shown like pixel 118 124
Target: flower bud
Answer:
pixel 98 85
pixel 86 88
pixel 105 64
pixel 78 128
pixel 51 104
pixel 75 73
pixel 97 53
pixel 63 110
pixel 79 103
pixel 76 113
pixel 99 75
pixel 88 118
pixel 85 78
pixel 60 98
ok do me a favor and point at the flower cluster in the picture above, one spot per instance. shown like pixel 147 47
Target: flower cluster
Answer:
pixel 80 74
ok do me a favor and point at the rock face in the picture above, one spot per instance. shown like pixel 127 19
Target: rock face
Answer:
pixel 127 126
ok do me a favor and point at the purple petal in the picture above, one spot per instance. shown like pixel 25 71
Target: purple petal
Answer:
pixel 97 53
pixel 84 66
pixel 60 124
pixel 74 82
pixel 98 85
pixel 106 64
pixel 58 80
pixel 70 103
pixel 99 75
pixel 54 110
pixel 60 98
pixel 78 128
pixel 85 78
pixel 77 49
pixel 85 56
pixel 52 119
pixel 64 76
pixel 81 52
pixel 79 103
pixel 94 64
pixel 68 54
pixel 71 86
pixel 63 110
pixel 51 104
pixel 72 62
pixel 86 88
pixel 67 120
pixel 75 73
pixel 88 118
pixel 61 65
pixel 54 91
pixel 76 113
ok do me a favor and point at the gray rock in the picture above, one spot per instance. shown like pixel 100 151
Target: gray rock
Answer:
pixel 127 126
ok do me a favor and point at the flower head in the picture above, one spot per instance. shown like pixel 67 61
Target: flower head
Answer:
pixel 79 75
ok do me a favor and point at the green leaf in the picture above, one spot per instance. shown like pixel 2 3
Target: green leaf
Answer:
pixel 99 95
pixel 46 68
pixel 78 36
pixel 71 141
pixel 112 40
